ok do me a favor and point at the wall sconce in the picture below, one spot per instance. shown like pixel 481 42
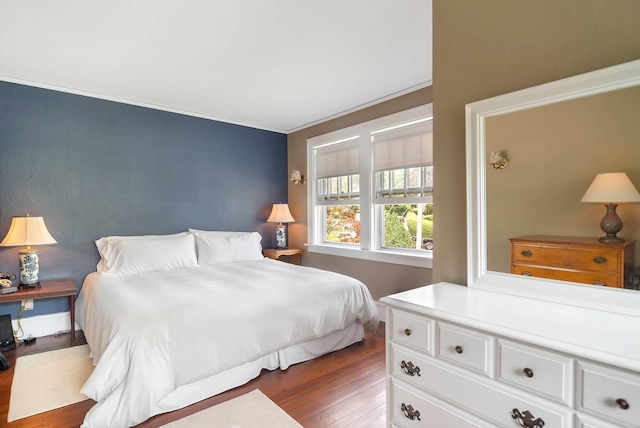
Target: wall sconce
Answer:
pixel 297 178
pixel 497 160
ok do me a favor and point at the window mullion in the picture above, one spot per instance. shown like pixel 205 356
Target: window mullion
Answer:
pixel 366 189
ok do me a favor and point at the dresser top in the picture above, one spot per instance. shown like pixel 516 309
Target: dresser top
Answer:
pixel 588 333
pixel 569 240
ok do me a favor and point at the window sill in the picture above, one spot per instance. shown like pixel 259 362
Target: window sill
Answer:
pixel 399 258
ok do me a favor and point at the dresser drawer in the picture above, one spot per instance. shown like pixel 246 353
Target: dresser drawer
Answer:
pixel 586 421
pixel 414 408
pixel 595 259
pixel 412 330
pixel 535 370
pixel 484 397
pixel 467 348
pixel 595 278
pixel 604 392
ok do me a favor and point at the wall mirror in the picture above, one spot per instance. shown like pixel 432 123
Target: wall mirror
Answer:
pixel 553 157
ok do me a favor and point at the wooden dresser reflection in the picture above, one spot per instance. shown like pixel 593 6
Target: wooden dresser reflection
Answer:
pixel 584 260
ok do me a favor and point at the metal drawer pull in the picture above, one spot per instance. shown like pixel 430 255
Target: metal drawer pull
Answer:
pixel 409 368
pixel 600 260
pixel 525 419
pixel 409 412
pixel 526 253
pixel 599 283
pixel 407 331
pixel 526 273
pixel 459 349
pixel 622 403
pixel 528 372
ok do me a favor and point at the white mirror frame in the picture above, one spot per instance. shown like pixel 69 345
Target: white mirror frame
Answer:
pixel 609 79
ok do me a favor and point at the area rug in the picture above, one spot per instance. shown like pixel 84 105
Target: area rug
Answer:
pixel 252 410
pixel 46 381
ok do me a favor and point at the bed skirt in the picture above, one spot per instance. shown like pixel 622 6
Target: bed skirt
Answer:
pixel 192 393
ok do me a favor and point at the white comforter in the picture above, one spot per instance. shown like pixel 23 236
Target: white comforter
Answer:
pixel 153 332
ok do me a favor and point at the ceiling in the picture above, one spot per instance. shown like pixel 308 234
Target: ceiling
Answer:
pixel 279 65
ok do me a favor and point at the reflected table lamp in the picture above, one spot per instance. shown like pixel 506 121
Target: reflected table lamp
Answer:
pixel 610 189
pixel 280 214
pixel 28 231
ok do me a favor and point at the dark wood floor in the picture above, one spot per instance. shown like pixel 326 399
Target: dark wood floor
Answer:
pixel 343 389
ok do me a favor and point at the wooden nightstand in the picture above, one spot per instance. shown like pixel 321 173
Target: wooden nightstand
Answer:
pixel 47 290
pixel 292 255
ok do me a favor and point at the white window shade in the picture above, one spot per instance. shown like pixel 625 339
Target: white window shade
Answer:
pixel 403 147
pixel 338 160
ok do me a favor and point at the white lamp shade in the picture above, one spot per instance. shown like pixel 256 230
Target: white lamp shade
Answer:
pixel 27 231
pixel 611 187
pixel 280 214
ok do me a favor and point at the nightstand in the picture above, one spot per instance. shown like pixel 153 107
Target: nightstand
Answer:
pixel 292 255
pixel 47 290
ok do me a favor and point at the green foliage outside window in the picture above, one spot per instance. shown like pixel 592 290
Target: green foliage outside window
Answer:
pixel 395 235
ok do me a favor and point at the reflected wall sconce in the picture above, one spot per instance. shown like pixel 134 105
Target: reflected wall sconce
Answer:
pixel 498 160
pixel 28 231
pixel 280 214
pixel 610 189
pixel 297 178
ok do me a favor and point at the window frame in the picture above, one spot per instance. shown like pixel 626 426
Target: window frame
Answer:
pixel 371 212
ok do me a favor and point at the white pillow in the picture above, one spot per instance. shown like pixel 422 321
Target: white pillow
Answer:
pixel 105 244
pixel 133 255
pixel 216 233
pixel 214 249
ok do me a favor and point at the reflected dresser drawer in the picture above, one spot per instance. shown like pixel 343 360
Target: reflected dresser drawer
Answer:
pixel 583 260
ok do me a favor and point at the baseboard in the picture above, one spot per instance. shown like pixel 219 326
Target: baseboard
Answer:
pixel 44 325
pixel 382 311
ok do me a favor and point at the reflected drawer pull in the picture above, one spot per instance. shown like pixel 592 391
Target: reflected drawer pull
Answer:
pixel 526 253
pixel 409 412
pixel 459 349
pixel 600 260
pixel 407 331
pixel 599 283
pixel 409 368
pixel 525 419
pixel 526 273
pixel 622 404
pixel 528 372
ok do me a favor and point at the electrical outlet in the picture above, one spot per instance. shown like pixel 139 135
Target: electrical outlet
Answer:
pixel 28 304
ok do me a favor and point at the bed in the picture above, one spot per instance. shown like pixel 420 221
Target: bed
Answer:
pixel 168 330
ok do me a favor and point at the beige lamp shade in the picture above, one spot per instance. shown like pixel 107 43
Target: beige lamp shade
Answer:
pixel 280 214
pixel 27 231
pixel 611 187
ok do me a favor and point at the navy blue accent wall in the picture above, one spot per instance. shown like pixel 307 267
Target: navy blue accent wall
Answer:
pixel 96 168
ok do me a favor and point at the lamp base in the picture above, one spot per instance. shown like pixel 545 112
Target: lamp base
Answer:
pixel 611 224
pixel 29 267
pixel 281 237
pixel 610 239
pixel 34 285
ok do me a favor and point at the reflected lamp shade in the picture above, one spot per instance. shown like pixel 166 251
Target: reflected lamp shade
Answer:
pixel 280 214
pixel 611 189
pixel 28 231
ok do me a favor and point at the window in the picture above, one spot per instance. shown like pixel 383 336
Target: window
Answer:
pixel 371 189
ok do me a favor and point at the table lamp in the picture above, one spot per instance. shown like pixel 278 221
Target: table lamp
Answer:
pixel 280 214
pixel 28 231
pixel 610 189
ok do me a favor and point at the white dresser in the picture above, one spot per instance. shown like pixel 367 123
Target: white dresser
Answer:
pixel 465 357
